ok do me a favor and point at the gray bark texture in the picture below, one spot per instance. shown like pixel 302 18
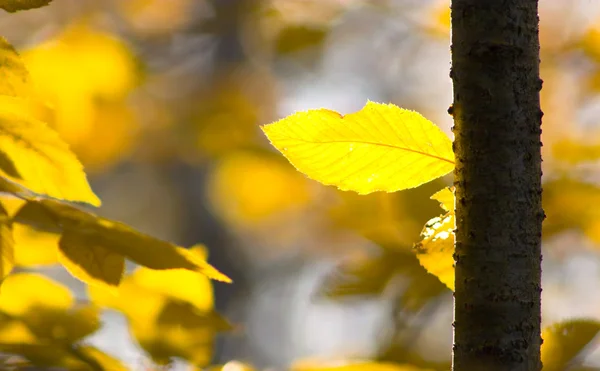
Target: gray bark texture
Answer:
pixel 497 127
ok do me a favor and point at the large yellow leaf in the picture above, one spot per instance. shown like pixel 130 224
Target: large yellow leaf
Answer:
pixel 84 230
pixel 564 341
pixel 16 5
pixel 435 251
pixel 40 160
pixel 379 148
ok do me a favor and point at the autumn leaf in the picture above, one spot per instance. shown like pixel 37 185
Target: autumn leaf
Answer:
pixel 14 77
pixel 89 262
pixel 564 341
pixel 379 148
pixel 350 365
pixel 16 5
pixel 105 239
pixel 42 162
pixel 7 244
pixel 436 249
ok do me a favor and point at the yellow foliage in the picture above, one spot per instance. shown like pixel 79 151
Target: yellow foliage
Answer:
pixel 37 158
pixel 101 238
pixel 34 247
pixel 7 244
pixel 86 75
pixel 170 312
pixel 564 341
pixel 379 148
pixel 15 78
pixel 246 188
pixel 350 365
pixel 436 249
pixel 16 5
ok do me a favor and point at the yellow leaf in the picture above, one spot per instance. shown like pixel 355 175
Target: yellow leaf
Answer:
pixel 42 161
pixel 14 77
pixel 349 365
pixel 379 148
pixel 564 341
pixel 34 247
pixel 105 361
pixel 7 244
pixel 249 188
pixel 435 251
pixel 16 5
pixel 22 291
pixel 94 231
pixel 91 263
pixel 446 198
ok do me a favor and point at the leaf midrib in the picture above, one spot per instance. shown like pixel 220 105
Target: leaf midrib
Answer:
pixel 377 144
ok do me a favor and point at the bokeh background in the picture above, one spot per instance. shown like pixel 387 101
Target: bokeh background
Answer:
pixel 162 101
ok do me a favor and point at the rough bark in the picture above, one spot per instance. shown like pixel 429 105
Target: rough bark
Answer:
pixel 497 127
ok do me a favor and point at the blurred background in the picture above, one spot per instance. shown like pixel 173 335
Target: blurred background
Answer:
pixel 162 101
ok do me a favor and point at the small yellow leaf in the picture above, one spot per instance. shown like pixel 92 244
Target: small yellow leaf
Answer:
pixel 105 361
pixel 349 365
pixel 91 263
pixel 16 5
pixel 22 291
pixel 436 249
pixel 41 161
pixel 379 148
pixel 565 340
pixel 34 247
pixel 93 231
pixel 7 244
pixel 446 198
pixel 14 77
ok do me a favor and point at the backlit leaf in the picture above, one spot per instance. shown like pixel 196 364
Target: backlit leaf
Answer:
pixel 92 231
pixel 34 247
pixel 43 162
pixel 14 77
pixel 379 148
pixel 7 244
pixel 564 341
pixel 16 5
pixel 435 251
pixel 93 264
pixel 350 365
pixel 105 361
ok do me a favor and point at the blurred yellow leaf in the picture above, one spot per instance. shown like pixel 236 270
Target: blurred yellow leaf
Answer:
pixel 34 247
pixel 86 230
pixel 41 161
pixel 574 152
pixel 105 361
pixel 350 365
pixel 89 262
pixel 157 16
pixel 379 148
pixel 47 308
pixel 170 312
pixel 16 5
pixel 14 77
pixel 435 251
pixel 564 341
pixel 246 188
pixel 7 244
pixel 446 198
pixel 567 203
pixel 86 76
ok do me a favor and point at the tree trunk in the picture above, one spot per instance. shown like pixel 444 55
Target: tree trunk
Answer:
pixel 497 127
